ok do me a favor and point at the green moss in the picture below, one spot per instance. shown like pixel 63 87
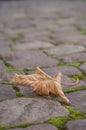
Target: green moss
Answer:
pixel 18 126
pixel 16 38
pixel 76 64
pixel 83 32
pixel 26 71
pixel 20 35
pixel 11 48
pixel 12 39
pixel 7 83
pixel 61 121
pixel 52 56
pixel 27 124
pixel 80 77
pixel 2 32
pixel 5 127
pixel 18 94
pixel 75 89
pixel 11 69
pixel 61 64
pixel 17 90
pixel 75 115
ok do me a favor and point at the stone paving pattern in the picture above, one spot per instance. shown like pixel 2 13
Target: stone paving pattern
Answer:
pixel 50 34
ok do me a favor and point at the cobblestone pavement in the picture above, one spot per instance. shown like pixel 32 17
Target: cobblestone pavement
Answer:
pixel 50 34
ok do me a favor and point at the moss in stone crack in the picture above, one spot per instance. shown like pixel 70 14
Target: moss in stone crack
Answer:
pixel 26 71
pixel 61 64
pixel 61 121
pixel 74 90
pixel 80 77
pixel 11 48
pixel 2 32
pixel 19 126
pixel 75 115
pixel 7 83
pixel 76 64
pixel 18 94
pixel 19 36
pixel 5 127
pixel 27 124
pixel 12 39
pixel 83 32
pixel 52 55
pixel 17 90
pixel 11 69
pixel 75 77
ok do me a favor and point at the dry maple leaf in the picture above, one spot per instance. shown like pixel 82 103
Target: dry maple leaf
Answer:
pixel 42 83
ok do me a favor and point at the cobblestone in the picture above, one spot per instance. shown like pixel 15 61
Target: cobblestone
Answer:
pixel 64 50
pixel 78 100
pixel 29 110
pixel 66 70
pixel 75 57
pixel 6 92
pixel 50 34
pixel 26 59
pixel 83 67
pixel 77 124
pixel 38 127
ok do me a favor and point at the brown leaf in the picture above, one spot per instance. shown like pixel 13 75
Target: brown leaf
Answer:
pixel 42 83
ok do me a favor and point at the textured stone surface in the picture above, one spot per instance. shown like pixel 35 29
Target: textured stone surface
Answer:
pixel 38 127
pixel 26 91
pixel 32 45
pixel 80 84
pixel 77 125
pixel 24 110
pixel 78 100
pixel 4 49
pixel 66 70
pixel 65 35
pixel 31 59
pixel 2 66
pixel 63 50
pixel 3 74
pixel 27 27
pixel 11 73
pixel 6 92
pixel 76 57
pixel 83 67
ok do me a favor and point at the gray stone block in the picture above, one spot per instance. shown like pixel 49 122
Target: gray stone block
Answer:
pixel 25 110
